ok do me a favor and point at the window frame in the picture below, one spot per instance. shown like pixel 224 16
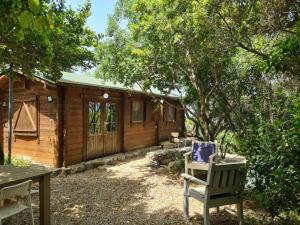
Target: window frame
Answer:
pixel 168 119
pixel 142 111
pixel 111 122
pixel 94 124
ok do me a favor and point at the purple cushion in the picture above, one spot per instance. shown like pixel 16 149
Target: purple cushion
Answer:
pixel 202 151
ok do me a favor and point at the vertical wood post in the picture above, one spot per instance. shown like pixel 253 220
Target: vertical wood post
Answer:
pixel 186 199
pixel 10 110
pixel 44 189
pixel 122 123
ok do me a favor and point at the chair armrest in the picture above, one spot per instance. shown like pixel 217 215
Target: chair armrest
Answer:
pixel 187 154
pixel 194 179
pixel 213 157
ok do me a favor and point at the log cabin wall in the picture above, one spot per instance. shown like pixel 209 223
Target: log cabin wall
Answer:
pixel 31 108
pixel 1 124
pixel 132 135
pixel 166 126
pixel 61 135
pixel 145 134
pixel 75 136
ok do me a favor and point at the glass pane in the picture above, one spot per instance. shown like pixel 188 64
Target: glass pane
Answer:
pixel 94 118
pixel 111 117
pixel 171 113
pixel 137 111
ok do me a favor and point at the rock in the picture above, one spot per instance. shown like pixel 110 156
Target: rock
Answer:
pixel 65 170
pixel 78 168
pixel 102 168
pixel 56 172
pixel 121 157
pixel 164 157
pixel 176 166
pixel 108 161
pixel 128 155
pixel 90 165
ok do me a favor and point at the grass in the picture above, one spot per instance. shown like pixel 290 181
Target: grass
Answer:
pixel 17 162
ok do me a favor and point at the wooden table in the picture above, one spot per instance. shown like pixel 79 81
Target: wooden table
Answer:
pixel 10 175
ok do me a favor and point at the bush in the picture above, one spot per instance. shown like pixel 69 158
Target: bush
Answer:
pixel 17 162
pixel 272 147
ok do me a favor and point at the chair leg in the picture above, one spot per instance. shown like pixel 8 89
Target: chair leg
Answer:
pixel 206 214
pixel 240 212
pixel 186 200
pixel 30 210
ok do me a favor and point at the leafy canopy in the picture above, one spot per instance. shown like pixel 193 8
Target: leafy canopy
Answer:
pixel 44 36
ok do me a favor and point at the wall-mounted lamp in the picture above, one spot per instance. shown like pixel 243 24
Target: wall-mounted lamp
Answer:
pixel 50 99
pixel 106 95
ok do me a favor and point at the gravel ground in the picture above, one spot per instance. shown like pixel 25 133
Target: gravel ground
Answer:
pixel 127 193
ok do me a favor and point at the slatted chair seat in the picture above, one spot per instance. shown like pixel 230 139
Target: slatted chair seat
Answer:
pixel 21 196
pixel 224 186
pixel 11 209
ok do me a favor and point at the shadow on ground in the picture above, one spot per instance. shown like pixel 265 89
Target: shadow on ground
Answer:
pixel 100 197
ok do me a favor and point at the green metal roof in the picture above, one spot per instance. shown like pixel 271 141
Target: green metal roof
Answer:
pixel 89 80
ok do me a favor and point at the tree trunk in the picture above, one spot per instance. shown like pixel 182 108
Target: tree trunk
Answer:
pixel 10 110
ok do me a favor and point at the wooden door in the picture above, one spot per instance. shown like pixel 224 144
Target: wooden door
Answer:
pixel 102 128
pixel 111 128
pixel 94 129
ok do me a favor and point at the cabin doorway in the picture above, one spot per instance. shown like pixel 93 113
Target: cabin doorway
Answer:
pixel 102 127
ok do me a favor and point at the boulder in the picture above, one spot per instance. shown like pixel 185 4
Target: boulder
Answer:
pixel 165 156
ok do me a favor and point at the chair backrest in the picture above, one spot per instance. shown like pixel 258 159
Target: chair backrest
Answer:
pixel 174 134
pixel 201 151
pixel 226 178
pixel 19 190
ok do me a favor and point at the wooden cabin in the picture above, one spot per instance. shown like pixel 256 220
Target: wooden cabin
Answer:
pixel 80 117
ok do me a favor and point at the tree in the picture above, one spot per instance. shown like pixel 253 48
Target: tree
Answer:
pixel 192 44
pixel 174 45
pixel 268 29
pixel 42 37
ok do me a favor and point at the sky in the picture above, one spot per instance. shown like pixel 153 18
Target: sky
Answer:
pixel 99 12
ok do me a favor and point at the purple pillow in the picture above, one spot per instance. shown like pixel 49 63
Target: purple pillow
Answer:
pixel 202 151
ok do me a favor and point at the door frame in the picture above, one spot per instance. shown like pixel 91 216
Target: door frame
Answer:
pixel 99 98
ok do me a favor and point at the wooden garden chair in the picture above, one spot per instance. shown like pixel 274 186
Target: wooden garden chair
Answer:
pixel 224 186
pixel 174 138
pixel 20 196
pixel 198 157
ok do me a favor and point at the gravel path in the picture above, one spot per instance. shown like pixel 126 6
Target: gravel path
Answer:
pixel 127 193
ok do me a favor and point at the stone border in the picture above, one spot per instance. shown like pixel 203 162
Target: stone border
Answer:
pixel 107 160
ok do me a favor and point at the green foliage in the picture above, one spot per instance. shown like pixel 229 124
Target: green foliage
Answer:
pixel 44 36
pixel 226 58
pixel 17 162
pixel 272 146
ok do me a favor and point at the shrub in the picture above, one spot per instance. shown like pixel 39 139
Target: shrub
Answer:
pixel 17 162
pixel 272 147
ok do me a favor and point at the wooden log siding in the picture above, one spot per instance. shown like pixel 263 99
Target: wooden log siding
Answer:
pixel 41 146
pixel 61 133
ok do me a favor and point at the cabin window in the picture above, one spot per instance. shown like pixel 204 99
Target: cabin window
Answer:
pixel 94 117
pixel 25 118
pixel 137 111
pixel 171 116
pixel 111 117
